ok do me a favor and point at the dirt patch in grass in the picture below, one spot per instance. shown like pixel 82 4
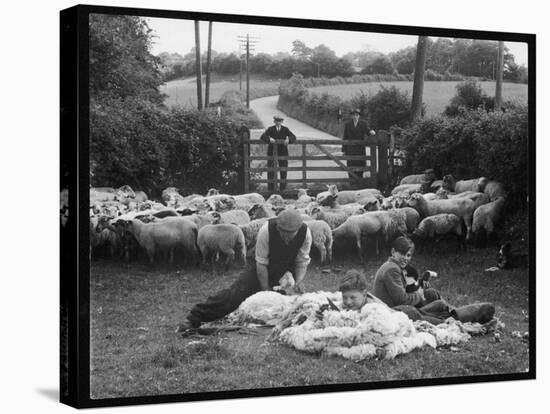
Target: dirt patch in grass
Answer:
pixel 135 352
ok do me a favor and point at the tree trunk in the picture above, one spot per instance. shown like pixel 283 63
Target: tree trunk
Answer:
pixel 208 59
pixel 418 86
pixel 500 69
pixel 198 65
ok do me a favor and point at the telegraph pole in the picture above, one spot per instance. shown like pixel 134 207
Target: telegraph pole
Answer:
pixel 248 44
pixel 500 69
pixel 198 65
pixel 208 59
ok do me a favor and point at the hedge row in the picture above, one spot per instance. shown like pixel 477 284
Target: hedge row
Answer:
pixel 138 143
pixel 474 143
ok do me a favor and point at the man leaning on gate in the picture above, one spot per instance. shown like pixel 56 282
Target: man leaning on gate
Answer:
pixel 271 134
pixel 356 130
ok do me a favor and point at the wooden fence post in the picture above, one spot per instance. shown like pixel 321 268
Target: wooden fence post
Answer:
pixel 383 141
pixel 275 169
pixel 244 168
pixel 304 173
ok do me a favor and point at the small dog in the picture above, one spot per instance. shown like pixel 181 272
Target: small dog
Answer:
pixel 414 281
pixel 507 259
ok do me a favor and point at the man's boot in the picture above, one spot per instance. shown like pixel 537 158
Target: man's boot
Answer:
pixel 477 312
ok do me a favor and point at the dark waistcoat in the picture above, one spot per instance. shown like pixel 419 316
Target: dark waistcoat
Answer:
pixel 282 256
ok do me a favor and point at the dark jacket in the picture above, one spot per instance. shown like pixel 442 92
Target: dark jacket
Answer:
pixel 352 132
pixel 272 132
pixel 389 286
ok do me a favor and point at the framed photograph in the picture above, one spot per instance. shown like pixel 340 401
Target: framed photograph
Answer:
pixel 261 206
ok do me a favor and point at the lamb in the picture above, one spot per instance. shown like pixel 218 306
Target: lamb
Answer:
pixel 486 217
pixel 164 236
pixel 372 224
pixel 437 226
pixel 428 175
pixel 321 235
pixel 463 207
pixel 332 190
pixel 494 190
pixel 227 239
pixel 276 200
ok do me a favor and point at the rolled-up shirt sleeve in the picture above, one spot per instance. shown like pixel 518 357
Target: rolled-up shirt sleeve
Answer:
pixel 302 258
pixel 262 245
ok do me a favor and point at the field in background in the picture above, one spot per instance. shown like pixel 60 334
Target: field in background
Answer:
pixel 436 94
pixel 184 91
pixel 134 310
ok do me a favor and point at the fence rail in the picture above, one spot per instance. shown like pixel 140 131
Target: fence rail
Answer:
pixel 372 174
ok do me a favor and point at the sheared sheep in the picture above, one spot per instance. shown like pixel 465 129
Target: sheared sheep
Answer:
pixel 321 235
pixel 485 219
pixel 227 239
pixel 428 175
pixel 385 224
pixel 436 227
pixel 463 207
pixel 164 236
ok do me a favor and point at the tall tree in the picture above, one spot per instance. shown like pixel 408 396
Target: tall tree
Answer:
pixel 418 86
pixel 500 70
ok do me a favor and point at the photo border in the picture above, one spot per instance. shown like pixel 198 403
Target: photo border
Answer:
pixel 75 267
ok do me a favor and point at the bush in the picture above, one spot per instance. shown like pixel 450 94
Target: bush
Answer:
pixel 136 143
pixel 470 96
pixel 389 107
pixel 472 144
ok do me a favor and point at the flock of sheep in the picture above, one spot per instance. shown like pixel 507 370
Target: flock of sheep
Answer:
pixel 125 223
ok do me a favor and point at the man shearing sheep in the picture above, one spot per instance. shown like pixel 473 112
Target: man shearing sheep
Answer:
pixel 282 246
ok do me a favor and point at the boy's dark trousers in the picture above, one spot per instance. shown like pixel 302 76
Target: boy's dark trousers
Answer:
pixel 226 301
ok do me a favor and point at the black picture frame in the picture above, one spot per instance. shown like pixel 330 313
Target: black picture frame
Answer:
pixel 74 175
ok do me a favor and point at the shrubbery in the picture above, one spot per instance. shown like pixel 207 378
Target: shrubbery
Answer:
pixel 474 143
pixel 470 96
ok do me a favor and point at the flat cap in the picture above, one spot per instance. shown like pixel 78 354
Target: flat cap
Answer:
pixel 289 220
pixel 356 111
pixel 277 118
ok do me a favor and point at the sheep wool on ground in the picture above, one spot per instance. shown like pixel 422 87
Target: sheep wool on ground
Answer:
pixel 375 331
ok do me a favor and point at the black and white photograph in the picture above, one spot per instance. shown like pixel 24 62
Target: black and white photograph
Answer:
pixel 283 206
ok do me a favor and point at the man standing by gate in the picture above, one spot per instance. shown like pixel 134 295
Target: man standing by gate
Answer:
pixel 277 132
pixel 355 129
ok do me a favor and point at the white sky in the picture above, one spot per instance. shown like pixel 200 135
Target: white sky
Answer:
pixel 176 35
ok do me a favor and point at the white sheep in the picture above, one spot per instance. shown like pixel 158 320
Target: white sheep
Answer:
pixel 428 175
pixel 474 184
pixel 253 198
pixel 494 190
pixel 486 217
pixel 201 220
pixel 438 226
pixel 260 211
pixel 411 217
pixel 237 217
pixel 406 189
pixel 250 231
pixel 226 239
pixel 374 224
pixel 164 236
pixel 276 200
pixel 321 235
pixel 463 207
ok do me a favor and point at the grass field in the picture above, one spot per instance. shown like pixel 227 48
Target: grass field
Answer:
pixel 436 94
pixel 184 91
pixel 134 351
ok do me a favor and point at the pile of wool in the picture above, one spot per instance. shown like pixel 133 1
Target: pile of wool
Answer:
pixel 452 332
pixel 263 307
pixel 375 330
